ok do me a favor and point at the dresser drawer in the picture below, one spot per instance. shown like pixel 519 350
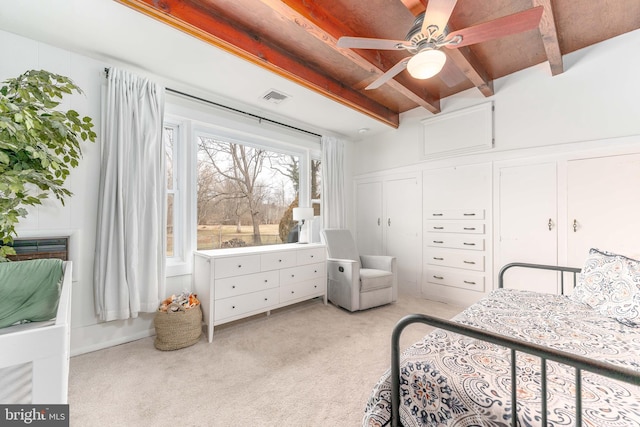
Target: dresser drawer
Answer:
pixel 242 304
pixel 277 260
pixel 235 266
pixel 310 256
pixel 464 280
pixel 238 285
pixel 303 272
pixel 440 240
pixel 455 214
pixel 302 289
pixel 465 260
pixel 455 227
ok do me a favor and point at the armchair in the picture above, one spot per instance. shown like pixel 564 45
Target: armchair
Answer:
pixel 358 282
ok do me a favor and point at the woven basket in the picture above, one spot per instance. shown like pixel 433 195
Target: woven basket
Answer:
pixel 178 329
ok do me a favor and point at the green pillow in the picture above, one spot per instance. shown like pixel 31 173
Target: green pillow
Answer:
pixel 29 290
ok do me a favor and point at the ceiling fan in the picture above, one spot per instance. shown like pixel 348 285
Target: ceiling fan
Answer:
pixel 429 33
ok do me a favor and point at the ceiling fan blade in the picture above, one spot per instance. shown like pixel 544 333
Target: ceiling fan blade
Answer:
pixel 368 43
pixel 438 13
pixel 389 74
pixel 501 27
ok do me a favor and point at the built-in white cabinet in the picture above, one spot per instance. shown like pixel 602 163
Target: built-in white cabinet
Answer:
pixel 527 223
pixel 240 282
pixel 603 206
pixel 457 222
pixel 553 212
pixel 388 222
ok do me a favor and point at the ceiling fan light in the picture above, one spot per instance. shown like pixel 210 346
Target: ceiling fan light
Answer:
pixel 426 64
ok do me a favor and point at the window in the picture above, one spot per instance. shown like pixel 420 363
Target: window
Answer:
pixel 245 194
pixel 232 181
pixel 170 135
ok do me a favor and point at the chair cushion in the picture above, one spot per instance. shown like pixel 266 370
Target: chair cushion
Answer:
pixel 371 279
pixel 340 244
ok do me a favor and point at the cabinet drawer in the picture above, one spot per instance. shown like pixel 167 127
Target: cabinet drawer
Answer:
pixel 465 260
pixel 474 243
pixel 309 256
pixel 237 265
pixel 238 285
pixel 455 214
pixel 303 272
pixel 472 281
pixel 276 260
pixel 303 289
pixel 242 304
pixel 455 227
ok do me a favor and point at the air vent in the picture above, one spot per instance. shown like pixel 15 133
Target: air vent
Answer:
pixel 275 97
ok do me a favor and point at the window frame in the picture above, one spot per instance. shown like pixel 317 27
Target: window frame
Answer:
pixel 194 119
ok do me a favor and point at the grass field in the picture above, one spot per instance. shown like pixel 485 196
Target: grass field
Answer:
pixel 212 236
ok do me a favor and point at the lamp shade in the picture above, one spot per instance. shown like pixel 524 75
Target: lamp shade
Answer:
pixel 426 64
pixel 300 214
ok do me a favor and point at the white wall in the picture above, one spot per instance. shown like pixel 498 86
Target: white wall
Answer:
pixel 78 217
pixel 595 98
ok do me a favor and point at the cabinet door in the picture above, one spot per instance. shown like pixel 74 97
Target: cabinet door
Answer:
pixel 527 207
pixel 369 218
pixel 403 221
pixel 604 204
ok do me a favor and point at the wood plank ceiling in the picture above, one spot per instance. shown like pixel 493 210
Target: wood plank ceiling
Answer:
pixel 297 39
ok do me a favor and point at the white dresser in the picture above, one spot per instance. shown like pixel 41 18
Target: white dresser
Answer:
pixel 240 282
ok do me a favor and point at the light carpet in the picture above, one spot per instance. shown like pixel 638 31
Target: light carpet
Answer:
pixel 309 364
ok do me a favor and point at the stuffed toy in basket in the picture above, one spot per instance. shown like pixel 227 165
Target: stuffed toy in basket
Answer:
pixel 178 322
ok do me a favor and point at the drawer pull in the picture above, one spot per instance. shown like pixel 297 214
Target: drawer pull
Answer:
pixel 438 277
pixel 265 280
pixel 311 256
pixel 292 292
pixel 469 262
pixel 469 244
pixel 438 241
pixel 233 286
pixel 266 299
pixel 279 260
pixel 469 228
pixel 233 306
pixel 239 265
pixel 469 283
pixel 469 214
pixel 293 275
pixel 438 228
pixel 315 271
pixel 438 259
pixel 437 214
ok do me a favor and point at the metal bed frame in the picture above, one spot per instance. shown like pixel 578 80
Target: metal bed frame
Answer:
pixel 580 363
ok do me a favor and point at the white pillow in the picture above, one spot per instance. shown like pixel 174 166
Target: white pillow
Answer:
pixel 610 283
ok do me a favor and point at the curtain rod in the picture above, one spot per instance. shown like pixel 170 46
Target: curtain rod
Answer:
pixel 235 110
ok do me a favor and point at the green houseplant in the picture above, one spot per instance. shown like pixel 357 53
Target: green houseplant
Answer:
pixel 39 145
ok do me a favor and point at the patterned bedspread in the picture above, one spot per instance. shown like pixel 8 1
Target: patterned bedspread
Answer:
pixel 455 381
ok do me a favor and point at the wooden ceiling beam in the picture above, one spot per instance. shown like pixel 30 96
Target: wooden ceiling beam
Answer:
pixel 416 7
pixel 550 37
pixel 462 57
pixel 324 28
pixel 223 34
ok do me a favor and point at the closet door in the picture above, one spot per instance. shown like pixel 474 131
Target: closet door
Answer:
pixel 403 221
pixel 369 218
pixel 527 228
pixel 603 206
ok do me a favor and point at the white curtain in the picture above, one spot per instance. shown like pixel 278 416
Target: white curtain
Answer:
pixel 333 203
pixel 129 267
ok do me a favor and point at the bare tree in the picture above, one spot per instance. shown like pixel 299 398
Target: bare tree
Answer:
pixel 241 166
